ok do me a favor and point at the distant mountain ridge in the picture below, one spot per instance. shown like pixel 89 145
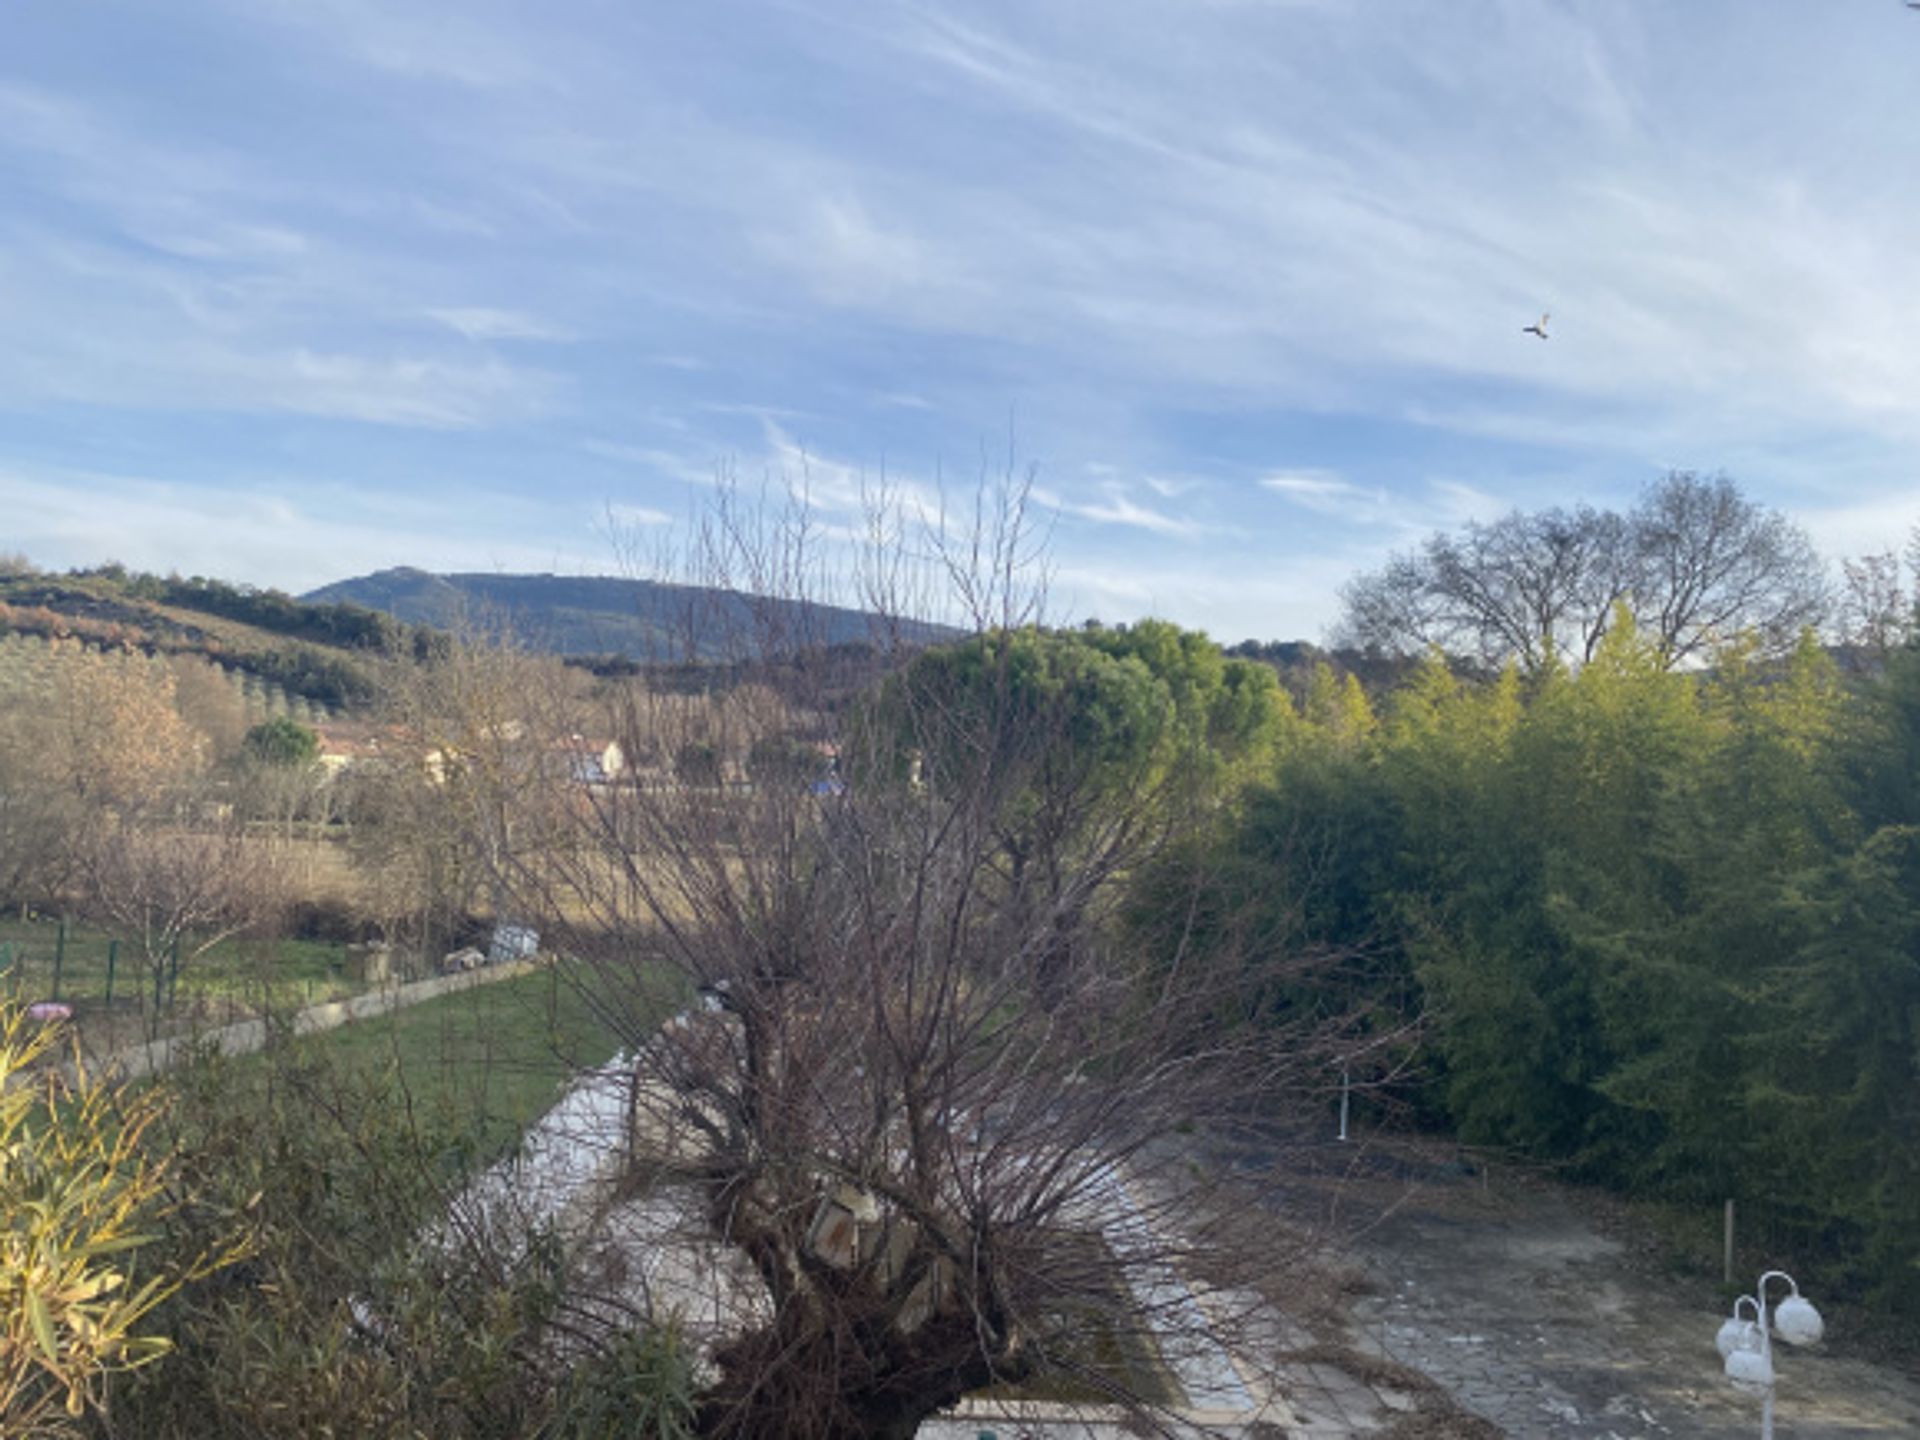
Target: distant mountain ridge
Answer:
pixel 643 620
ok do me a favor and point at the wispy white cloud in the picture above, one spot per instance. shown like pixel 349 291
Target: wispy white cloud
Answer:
pixel 630 515
pixel 203 299
pixel 480 322
pixel 1326 493
pixel 1869 526
pixel 1414 508
pixel 679 465
pixel 847 254
pixel 1454 502
pixel 456 45
pixel 1358 221
pixel 427 392
pixel 1310 484
pixel 214 373
pixel 1170 487
pixel 833 243
pixel 1296 599
pixel 297 532
pixel 1114 508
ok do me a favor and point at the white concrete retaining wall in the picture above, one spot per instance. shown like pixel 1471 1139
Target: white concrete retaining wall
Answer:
pixel 152 1057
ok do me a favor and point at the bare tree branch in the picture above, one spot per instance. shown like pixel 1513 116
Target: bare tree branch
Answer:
pixel 1695 561
pixel 937 1109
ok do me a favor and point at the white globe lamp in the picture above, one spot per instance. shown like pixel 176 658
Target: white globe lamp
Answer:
pixel 1797 1322
pixel 1736 1334
pixel 1745 1342
pixel 1750 1371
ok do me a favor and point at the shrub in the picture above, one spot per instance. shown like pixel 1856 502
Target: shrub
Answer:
pixel 327 918
pixel 283 741
pixel 783 760
pixel 697 763
pixel 79 1197
pixel 348 1321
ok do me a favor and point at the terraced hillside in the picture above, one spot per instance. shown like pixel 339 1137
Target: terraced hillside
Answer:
pixel 28 663
pixel 285 655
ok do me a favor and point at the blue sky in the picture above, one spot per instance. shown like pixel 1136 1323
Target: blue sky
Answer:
pixel 295 289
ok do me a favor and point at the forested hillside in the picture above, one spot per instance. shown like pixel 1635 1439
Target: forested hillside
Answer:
pixel 598 615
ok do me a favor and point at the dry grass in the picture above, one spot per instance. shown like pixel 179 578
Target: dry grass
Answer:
pixel 318 869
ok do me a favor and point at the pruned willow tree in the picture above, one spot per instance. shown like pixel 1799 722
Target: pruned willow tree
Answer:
pixel 934 1124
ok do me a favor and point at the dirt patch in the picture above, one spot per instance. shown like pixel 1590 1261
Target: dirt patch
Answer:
pixel 1545 1313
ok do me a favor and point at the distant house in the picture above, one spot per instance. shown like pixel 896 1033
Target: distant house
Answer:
pixel 593 762
pixel 828 781
pixel 346 744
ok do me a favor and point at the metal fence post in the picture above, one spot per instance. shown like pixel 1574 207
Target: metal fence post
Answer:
pixel 59 957
pixel 113 959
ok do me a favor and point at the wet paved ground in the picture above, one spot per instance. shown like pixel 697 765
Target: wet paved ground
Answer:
pixel 1485 1306
pixel 1528 1315
pixel 1522 1315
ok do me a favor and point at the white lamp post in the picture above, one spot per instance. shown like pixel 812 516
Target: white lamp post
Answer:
pixel 1747 1346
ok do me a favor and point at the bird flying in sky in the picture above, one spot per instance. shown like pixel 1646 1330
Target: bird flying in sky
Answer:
pixel 1541 328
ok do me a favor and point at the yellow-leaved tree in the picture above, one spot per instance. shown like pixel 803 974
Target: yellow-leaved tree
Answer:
pixel 80 1199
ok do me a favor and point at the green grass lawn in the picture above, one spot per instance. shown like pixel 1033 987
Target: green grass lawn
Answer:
pixel 494 1057
pixel 36 963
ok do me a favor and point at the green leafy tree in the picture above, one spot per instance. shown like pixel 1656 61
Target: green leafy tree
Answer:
pixel 1662 925
pixel 1841 1084
pixel 1338 705
pixel 1538 1009
pixel 283 742
pixel 1104 742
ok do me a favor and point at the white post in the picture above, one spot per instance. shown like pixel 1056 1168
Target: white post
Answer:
pixel 1766 1346
pixel 1766 1354
pixel 1346 1085
pixel 1727 1245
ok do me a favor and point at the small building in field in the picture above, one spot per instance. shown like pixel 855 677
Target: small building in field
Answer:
pixel 593 762
pixel 345 744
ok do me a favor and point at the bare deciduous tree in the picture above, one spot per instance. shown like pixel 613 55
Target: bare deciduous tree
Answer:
pixel 178 888
pixel 945 1116
pixel 1695 560
pixel 114 734
pixel 1711 564
pixel 101 738
pixel 1879 605
pixel 38 815
pixel 210 703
